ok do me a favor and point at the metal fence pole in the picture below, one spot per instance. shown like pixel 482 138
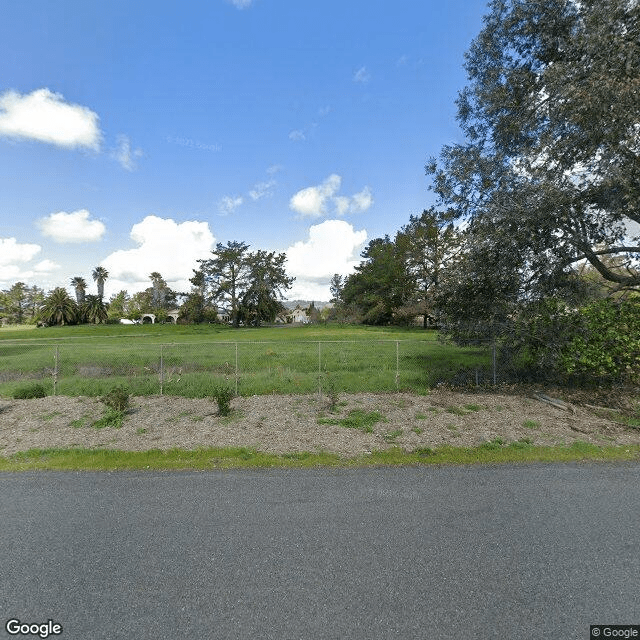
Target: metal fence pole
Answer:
pixel 161 369
pixel 236 368
pixel 397 366
pixel 55 371
pixel 319 371
pixel 494 363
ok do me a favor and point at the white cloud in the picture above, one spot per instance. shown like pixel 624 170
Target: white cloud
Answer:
pixel 361 201
pixel 125 155
pixel 45 266
pixel 13 255
pixel 333 247
pixel 229 204
pixel 262 190
pixel 44 116
pixel 241 4
pixel 11 251
pixel 297 135
pixel 314 202
pixel 362 76
pixel 164 245
pixel 72 227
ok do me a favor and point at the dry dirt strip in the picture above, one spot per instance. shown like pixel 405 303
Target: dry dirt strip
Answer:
pixel 286 424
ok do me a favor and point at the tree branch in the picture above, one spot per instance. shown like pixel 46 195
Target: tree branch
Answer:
pixel 605 272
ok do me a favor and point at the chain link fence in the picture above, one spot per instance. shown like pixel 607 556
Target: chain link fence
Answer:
pixel 248 368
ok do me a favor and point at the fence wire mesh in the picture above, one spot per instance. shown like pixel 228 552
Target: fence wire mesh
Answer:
pixel 248 368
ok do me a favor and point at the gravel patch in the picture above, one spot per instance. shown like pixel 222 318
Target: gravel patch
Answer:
pixel 287 424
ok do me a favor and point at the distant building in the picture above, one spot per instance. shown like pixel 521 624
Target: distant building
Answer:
pixel 299 315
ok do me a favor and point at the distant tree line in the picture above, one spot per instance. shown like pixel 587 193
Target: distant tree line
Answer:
pixel 399 280
pixel 248 285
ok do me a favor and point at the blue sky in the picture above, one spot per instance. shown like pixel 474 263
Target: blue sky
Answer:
pixel 136 135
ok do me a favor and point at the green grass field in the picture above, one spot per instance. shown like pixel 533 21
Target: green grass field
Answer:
pixel 188 360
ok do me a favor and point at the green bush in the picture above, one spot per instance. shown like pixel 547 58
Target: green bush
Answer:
pixel 27 392
pixel 598 341
pixel 117 399
pixel 112 418
pixel 223 396
pixel 606 343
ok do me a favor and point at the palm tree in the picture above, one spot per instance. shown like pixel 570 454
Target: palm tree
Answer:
pixel 94 310
pixel 100 274
pixel 59 308
pixel 80 285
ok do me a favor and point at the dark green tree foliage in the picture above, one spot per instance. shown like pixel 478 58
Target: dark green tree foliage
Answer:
pixel 550 170
pixel 59 308
pixel 92 310
pixel 429 244
pixel 100 274
pixel 162 297
pixel 380 285
pixel 479 292
pixel 119 305
pixel 225 277
pixel 80 286
pixel 15 303
pixel 194 309
pixel 600 341
pixel 268 280
pixel 35 299
pixel 249 284
pixel 335 287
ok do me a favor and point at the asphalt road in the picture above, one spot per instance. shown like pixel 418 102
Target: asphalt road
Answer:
pixel 518 552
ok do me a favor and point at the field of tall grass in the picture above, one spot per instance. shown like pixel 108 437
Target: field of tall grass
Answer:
pixel 189 360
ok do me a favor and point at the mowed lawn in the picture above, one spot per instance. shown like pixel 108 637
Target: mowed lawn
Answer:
pixel 190 360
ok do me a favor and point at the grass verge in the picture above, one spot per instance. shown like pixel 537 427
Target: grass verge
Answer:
pixel 495 452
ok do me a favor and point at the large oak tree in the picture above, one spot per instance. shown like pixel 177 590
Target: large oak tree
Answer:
pixel 548 176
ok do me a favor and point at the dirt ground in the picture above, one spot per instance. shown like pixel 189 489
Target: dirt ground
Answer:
pixel 280 424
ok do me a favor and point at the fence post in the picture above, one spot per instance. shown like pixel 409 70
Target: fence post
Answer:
pixel 319 371
pixel 397 366
pixel 494 362
pixel 161 369
pixel 55 371
pixel 236 368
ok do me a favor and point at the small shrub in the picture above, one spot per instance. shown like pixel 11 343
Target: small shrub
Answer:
pixel 117 399
pixel 223 396
pixel 356 419
pixel 363 420
pixel 27 392
pixel 494 445
pixel 112 418
pixel 332 392
pixel 522 443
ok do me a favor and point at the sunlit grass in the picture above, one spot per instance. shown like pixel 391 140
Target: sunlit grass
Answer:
pixel 187 360
pixel 495 452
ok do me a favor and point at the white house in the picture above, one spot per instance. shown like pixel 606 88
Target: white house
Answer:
pixel 299 315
